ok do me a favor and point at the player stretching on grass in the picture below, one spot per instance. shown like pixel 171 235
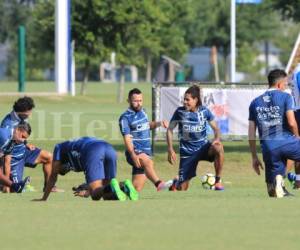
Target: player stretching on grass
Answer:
pixel 25 154
pixel 192 120
pixel 98 160
pixel 272 113
pixel 8 139
pixel 135 128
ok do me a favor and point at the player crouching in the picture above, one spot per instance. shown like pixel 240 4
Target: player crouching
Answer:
pixel 98 160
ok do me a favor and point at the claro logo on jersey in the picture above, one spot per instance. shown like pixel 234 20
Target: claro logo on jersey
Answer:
pixel 142 126
pixel 193 128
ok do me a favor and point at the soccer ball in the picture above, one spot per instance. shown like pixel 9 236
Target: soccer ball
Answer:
pixel 208 181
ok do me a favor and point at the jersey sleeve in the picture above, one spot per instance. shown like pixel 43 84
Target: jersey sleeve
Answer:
pixel 289 104
pixel 124 125
pixel 6 123
pixel 251 113
pixel 209 115
pixel 174 120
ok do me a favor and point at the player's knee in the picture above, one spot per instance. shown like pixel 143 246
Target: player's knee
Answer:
pixel 218 149
pixel 46 156
pixel 138 187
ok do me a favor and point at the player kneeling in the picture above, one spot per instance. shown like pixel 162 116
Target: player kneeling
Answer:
pixel 98 160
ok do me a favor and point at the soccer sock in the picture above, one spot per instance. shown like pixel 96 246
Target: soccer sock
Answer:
pixel 218 179
pixel 157 183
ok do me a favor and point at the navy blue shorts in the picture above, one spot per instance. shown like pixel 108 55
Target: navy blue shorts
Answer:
pixel 135 170
pixel 98 160
pixel 188 164
pixel 275 159
pixel 28 160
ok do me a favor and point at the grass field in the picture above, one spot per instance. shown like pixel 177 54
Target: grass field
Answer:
pixel 242 217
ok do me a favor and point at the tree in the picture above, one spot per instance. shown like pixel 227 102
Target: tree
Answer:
pixel 13 13
pixel 140 30
pixel 288 8
pixel 210 25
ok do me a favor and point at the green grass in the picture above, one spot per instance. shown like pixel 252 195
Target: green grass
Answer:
pixel 242 217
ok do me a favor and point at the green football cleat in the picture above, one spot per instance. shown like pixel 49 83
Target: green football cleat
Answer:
pixel 115 187
pixel 130 190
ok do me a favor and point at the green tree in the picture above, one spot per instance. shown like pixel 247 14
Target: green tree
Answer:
pixel 210 26
pixel 288 8
pixel 142 29
pixel 13 13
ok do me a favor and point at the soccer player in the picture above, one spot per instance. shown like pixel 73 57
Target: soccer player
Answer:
pixel 135 129
pixel 98 160
pixel 192 120
pixel 295 178
pixel 25 154
pixel 272 113
pixel 8 139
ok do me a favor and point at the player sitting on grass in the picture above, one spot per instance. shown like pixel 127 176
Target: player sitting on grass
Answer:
pixel 98 160
pixel 272 113
pixel 8 139
pixel 192 120
pixel 25 154
pixel 135 128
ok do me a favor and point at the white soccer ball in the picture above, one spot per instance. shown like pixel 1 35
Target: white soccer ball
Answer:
pixel 208 181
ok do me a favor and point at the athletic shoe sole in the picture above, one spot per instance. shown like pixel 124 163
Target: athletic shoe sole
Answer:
pixel 130 190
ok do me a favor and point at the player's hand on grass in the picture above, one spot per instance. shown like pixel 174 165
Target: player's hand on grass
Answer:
pixel 82 193
pixel 171 156
pixel 30 146
pixel 257 165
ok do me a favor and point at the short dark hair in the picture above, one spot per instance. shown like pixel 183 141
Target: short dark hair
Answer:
pixel 24 104
pixel 275 75
pixel 134 91
pixel 24 126
pixel 194 91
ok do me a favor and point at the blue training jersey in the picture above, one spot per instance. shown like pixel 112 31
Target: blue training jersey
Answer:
pixel 268 111
pixel 72 152
pixel 136 124
pixel 6 142
pixel 192 128
pixel 11 120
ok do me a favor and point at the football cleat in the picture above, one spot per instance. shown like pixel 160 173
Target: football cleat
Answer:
pixel 115 187
pixel 164 185
pixel 130 190
pixel 277 189
pixel 219 186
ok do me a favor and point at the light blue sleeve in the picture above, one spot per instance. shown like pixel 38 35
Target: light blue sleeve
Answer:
pixel 124 125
